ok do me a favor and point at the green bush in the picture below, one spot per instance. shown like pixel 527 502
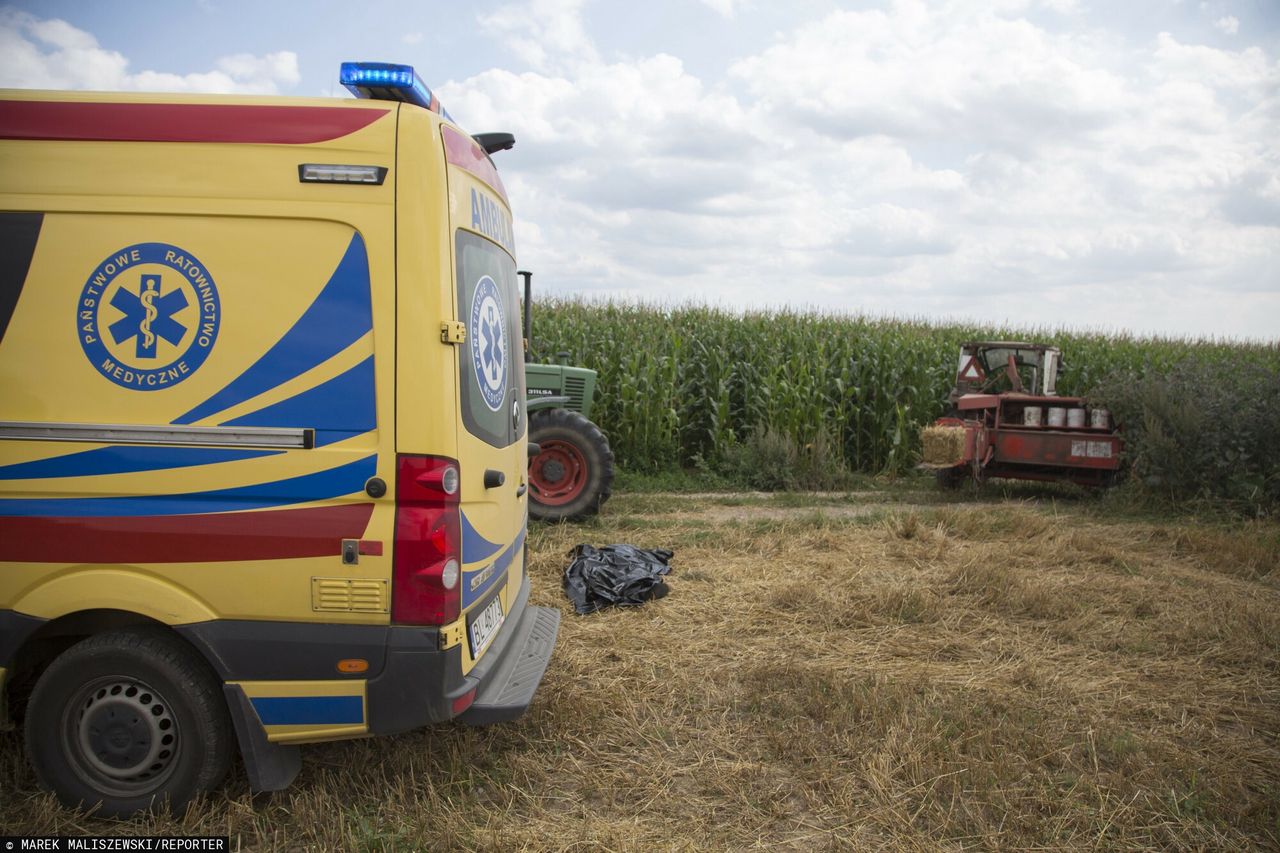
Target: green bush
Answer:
pixel 771 461
pixel 1201 430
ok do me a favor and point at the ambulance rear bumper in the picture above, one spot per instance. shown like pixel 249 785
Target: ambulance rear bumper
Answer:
pixel 420 684
pixel 505 691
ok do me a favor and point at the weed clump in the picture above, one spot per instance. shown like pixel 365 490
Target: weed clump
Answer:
pixel 1201 430
pixel 771 460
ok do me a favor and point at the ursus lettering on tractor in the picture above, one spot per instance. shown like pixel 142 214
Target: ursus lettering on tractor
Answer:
pixel 571 469
pixel 1007 420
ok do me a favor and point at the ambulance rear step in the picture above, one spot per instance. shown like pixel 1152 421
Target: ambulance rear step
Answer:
pixel 508 689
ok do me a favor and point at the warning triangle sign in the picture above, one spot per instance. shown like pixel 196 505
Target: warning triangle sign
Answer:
pixel 971 370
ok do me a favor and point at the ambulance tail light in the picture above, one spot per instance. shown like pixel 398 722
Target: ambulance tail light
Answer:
pixel 427 560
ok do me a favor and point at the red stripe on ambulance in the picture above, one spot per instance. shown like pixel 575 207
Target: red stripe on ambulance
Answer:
pixel 220 537
pixel 106 122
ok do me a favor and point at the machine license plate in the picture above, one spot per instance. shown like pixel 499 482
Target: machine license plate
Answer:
pixel 486 625
pixel 1091 449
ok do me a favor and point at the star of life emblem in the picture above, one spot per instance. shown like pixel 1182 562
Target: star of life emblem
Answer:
pixel 148 316
pixel 489 345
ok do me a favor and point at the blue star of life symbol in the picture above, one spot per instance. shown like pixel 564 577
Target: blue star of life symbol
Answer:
pixel 491 346
pixel 123 312
pixel 148 315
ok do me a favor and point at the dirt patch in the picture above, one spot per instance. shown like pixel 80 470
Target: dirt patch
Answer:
pixel 782 513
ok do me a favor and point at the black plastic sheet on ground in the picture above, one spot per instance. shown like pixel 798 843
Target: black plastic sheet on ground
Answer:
pixel 621 575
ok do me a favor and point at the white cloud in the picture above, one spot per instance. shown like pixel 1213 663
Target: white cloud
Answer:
pixel 412 38
pixel 547 34
pixel 1250 71
pixel 916 73
pixel 280 67
pixel 53 54
pixel 922 159
pixel 58 33
pixel 724 8
pixel 1229 24
pixel 928 159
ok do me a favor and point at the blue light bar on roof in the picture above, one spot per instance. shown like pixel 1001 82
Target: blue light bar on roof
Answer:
pixel 385 81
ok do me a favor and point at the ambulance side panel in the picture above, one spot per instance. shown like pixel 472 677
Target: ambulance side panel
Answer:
pixel 199 374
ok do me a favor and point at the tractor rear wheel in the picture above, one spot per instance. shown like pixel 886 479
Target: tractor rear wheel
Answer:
pixel 572 475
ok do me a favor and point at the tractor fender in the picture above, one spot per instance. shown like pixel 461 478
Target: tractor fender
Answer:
pixel 537 404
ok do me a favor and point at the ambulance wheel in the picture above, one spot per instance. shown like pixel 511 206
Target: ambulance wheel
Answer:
pixel 129 721
pixel 572 475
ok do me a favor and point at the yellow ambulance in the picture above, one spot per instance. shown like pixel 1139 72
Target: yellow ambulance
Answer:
pixel 262 433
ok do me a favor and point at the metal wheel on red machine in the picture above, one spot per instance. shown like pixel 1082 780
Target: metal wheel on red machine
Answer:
pixel 572 474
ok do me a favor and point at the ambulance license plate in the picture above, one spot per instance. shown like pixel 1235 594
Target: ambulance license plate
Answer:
pixel 485 625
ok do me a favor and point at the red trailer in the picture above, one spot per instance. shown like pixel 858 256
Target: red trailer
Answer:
pixel 1007 420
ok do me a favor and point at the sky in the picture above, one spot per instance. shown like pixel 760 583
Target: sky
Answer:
pixel 1086 164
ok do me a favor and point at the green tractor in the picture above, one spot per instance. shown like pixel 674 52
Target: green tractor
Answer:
pixel 571 472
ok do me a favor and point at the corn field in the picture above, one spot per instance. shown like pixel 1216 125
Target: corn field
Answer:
pixel 688 385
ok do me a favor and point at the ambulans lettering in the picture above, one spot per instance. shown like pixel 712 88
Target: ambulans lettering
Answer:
pixel 148 316
pixel 490 219
pixel 488 338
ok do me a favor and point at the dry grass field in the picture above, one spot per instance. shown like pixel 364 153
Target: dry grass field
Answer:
pixel 893 671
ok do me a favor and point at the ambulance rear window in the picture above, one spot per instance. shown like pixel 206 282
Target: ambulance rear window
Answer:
pixel 491 367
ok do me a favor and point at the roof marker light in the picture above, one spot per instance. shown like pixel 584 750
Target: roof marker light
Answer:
pixel 385 81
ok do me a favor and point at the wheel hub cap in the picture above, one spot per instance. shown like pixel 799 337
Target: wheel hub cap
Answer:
pixel 559 473
pixel 126 731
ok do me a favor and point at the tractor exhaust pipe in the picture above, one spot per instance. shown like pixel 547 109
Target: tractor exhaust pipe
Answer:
pixel 528 309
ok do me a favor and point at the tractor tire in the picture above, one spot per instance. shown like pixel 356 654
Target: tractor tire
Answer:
pixel 129 721
pixel 572 475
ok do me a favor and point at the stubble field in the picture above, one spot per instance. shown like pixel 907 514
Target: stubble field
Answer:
pixel 891 669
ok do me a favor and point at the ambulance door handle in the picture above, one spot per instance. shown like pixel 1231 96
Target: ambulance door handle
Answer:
pixel 493 479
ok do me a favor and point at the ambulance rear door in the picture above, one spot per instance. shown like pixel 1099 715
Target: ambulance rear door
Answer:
pixel 492 424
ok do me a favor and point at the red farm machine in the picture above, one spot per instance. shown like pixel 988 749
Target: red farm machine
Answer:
pixel 1007 420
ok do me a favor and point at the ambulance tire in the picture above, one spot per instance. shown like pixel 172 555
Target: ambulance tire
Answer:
pixel 572 475
pixel 129 721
